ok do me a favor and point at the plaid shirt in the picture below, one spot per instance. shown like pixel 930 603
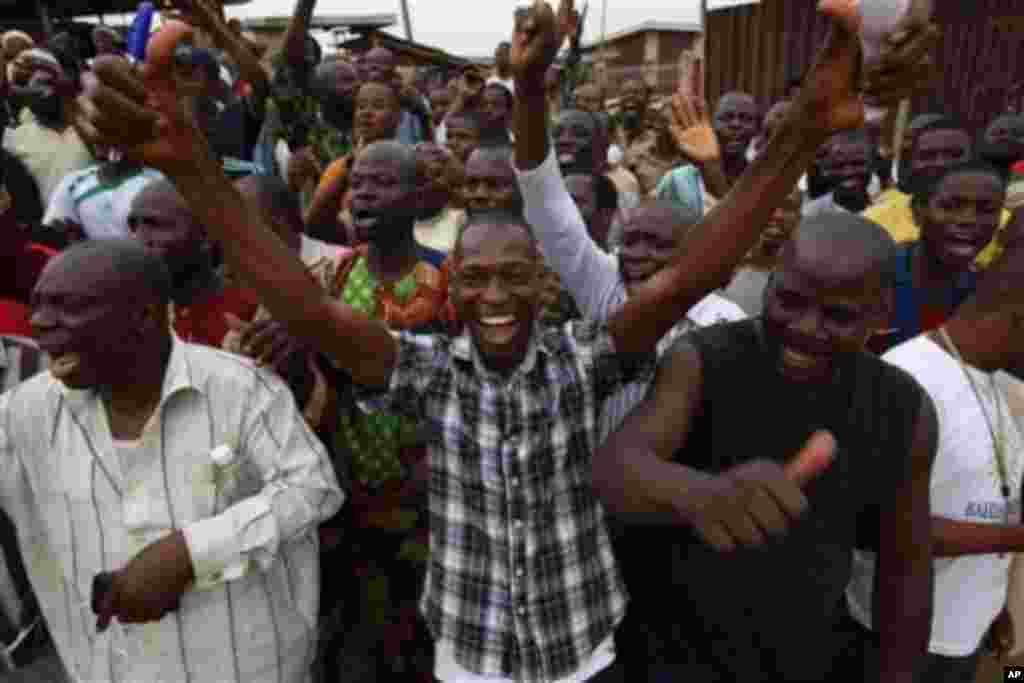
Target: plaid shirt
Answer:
pixel 522 581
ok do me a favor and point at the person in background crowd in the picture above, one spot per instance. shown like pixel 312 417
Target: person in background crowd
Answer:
pixel 24 254
pixel 848 172
pixel 490 183
pixel 393 279
pixel 598 201
pixel 214 581
pixel 936 146
pixel 496 105
pixel 382 67
pixel 468 91
pixel 502 73
pixel 440 103
pixel 201 295
pixel 748 284
pixel 903 172
pixel 465 133
pixel 96 201
pixel 44 139
pixel 736 122
pixel 697 184
pixel 1002 144
pixel 589 98
pixel 441 179
pixel 580 143
pixel 772 120
pixel 378 114
pixel 12 44
pixel 976 479
pixel 643 137
pixel 958 214
pixel 105 41
pixel 553 87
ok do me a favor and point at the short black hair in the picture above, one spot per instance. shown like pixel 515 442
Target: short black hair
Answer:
pixel 135 265
pixel 942 123
pixel 925 188
pixel 856 241
pixel 499 217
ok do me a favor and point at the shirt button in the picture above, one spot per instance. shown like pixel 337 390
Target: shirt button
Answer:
pixel 522 611
pixel 515 482
pixel 520 573
pixel 518 524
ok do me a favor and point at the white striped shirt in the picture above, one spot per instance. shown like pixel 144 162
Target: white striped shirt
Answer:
pixel 80 511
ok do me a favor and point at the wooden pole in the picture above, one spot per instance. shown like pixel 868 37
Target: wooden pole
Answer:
pixel 604 47
pixel 406 20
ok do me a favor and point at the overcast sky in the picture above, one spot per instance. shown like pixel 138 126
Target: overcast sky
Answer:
pixel 474 27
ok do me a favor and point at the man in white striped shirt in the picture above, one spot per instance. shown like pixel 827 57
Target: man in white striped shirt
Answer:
pixel 184 475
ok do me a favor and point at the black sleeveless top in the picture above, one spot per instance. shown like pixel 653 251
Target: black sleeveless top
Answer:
pixel 768 614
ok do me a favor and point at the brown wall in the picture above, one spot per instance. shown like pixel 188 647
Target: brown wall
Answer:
pixel 755 48
pixel 630 60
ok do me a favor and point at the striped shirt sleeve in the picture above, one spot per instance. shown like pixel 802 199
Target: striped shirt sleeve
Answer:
pixel 299 492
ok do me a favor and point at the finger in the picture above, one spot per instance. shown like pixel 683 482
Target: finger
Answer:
pixel 260 340
pixel 716 536
pixel 118 74
pixel 746 532
pixel 846 12
pixel 104 102
pixel 907 55
pixel 272 349
pixel 815 457
pixel 766 513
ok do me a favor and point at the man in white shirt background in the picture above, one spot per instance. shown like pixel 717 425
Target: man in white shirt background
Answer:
pixel 977 475
pixel 183 476
pixel 96 201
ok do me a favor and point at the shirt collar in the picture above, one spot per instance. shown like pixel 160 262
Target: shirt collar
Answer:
pixel 465 350
pixel 178 377
pixel 4 361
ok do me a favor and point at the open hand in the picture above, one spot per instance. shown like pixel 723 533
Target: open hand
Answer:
pixel 741 506
pixel 149 587
pixel 690 127
pixel 537 38
pixel 140 111
pixel 267 342
pixel 201 14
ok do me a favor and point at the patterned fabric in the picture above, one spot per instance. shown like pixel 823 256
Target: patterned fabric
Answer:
pixel 81 509
pixel 382 537
pixel 521 580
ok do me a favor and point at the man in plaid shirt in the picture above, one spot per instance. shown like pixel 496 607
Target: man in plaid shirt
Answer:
pixel 522 583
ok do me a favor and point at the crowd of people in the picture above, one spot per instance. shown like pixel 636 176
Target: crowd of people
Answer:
pixel 316 369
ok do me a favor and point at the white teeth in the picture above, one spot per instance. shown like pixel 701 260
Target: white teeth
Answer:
pixel 566 158
pixel 498 320
pixel 798 359
pixel 65 365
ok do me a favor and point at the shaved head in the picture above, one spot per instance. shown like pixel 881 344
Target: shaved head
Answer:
pixel 841 247
pixel 682 216
pixel 394 152
pixel 114 265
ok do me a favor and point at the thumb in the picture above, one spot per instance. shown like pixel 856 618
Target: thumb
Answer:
pixel 844 12
pixel 846 22
pixel 816 457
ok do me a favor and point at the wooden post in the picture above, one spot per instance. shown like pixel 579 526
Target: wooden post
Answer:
pixel 406 20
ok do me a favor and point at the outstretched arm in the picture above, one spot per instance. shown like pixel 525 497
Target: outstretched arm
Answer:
pixel 145 118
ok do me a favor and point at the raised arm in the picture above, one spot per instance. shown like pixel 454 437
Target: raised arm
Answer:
pixel 145 119
pixel 294 44
pixel 903 582
pixel 830 101
pixel 636 478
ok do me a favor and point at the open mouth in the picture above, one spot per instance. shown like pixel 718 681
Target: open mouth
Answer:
pixel 498 330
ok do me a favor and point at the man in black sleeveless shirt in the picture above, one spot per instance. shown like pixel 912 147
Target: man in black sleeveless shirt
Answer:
pixel 706 450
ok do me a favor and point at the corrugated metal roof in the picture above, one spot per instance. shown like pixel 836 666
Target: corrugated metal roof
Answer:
pixel 651 25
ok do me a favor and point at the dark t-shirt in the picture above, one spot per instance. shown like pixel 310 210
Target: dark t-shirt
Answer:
pixel 769 614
